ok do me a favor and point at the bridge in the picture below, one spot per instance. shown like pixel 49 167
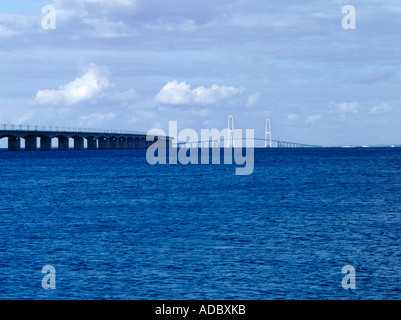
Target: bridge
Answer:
pixel 235 142
pixel 96 139
pixel 287 144
pixel 229 141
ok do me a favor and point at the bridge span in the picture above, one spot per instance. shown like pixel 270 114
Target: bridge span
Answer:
pixel 38 137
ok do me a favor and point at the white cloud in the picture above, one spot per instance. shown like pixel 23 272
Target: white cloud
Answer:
pixel 103 28
pixel 252 99
pixel 313 118
pixel 381 108
pixel 6 32
pixel 292 117
pixel 98 116
pixel 126 95
pixel 63 3
pixel 81 89
pixel 96 119
pixel 112 2
pixel 187 25
pixel 179 93
pixel 343 108
pixel 200 113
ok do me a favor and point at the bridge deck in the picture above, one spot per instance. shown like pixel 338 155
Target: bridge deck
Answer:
pixel 96 139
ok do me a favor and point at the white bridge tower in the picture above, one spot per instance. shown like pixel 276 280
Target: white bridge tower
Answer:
pixel 268 132
pixel 230 132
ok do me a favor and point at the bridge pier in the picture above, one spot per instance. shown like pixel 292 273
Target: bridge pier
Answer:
pixel 113 143
pixel 78 143
pixel 45 143
pixel 92 143
pixel 147 144
pixel 142 143
pixel 14 144
pixel 130 143
pixel 31 143
pixel 92 140
pixel 137 143
pixel 122 143
pixel 63 143
pixel 103 143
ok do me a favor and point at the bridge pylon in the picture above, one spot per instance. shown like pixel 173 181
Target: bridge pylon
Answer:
pixel 230 132
pixel 268 133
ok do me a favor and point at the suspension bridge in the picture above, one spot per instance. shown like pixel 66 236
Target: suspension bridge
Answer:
pixel 228 138
pixel 40 138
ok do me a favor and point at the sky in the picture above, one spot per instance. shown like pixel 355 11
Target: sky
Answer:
pixel 138 64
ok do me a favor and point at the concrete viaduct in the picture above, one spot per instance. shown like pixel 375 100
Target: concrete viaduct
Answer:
pixel 95 139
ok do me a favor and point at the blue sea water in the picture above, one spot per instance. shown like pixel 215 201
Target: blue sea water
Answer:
pixel 115 227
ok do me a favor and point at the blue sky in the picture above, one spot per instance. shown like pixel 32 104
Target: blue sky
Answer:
pixel 136 64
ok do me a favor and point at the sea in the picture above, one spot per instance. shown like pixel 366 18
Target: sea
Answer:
pixel 115 227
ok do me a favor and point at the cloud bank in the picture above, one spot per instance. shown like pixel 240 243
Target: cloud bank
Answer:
pixel 81 89
pixel 180 93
